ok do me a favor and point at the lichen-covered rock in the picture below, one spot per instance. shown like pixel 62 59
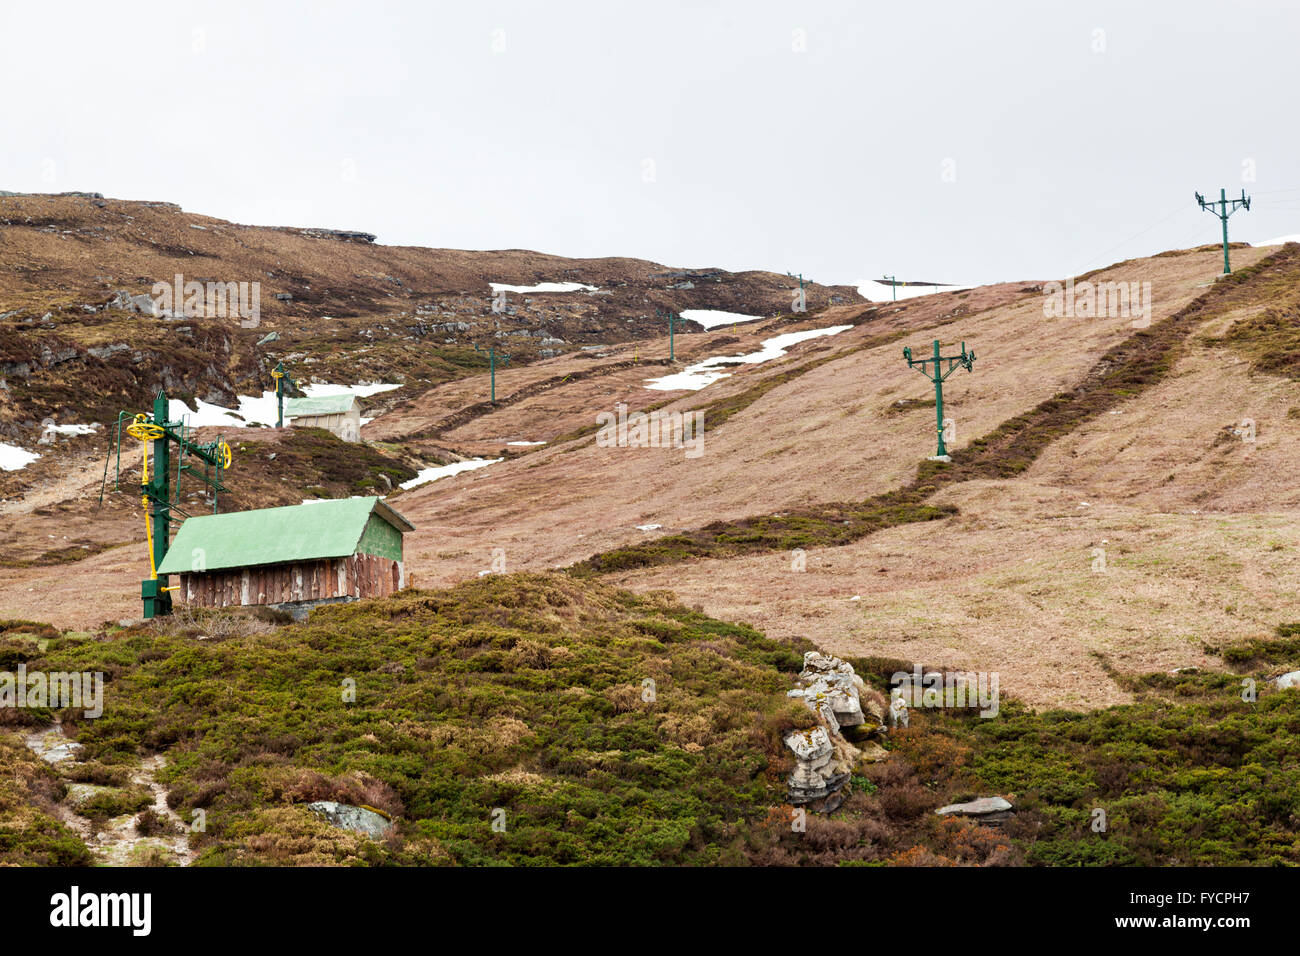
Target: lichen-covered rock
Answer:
pixel 872 752
pixel 824 759
pixel 347 817
pixel 809 745
pixel 829 684
pixel 806 785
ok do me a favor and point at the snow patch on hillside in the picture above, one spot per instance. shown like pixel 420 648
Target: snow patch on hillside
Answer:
pixel 261 409
pixel 695 377
pixel 444 471
pixel 13 458
pixel 883 292
pixel 544 287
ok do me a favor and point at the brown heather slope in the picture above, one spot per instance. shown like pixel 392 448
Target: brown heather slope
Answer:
pixel 1006 583
pixel 1141 540
pixel 353 311
pixel 827 435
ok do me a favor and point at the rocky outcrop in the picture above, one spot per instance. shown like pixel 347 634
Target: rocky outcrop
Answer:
pixel 347 817
pixel 898 713
pixel 344 235
pixel 831 690
pixel 79 195
pixel 824 759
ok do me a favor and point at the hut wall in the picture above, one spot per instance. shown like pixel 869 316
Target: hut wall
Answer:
pixel 346 425
pixel 356 576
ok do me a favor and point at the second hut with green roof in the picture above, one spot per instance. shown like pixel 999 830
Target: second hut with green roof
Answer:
pixel 340 414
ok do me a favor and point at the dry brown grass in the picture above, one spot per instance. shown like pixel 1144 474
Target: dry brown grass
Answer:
pixel 1007 585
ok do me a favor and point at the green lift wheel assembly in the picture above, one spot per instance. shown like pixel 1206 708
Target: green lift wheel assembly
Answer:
pixel 160 489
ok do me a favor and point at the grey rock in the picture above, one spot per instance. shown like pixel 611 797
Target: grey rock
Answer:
pixel 824 760
pixel 52 746
pixel 989 810
pixel 830 683
pixel 51 357
pixel 80 794
pixel 1291 679
pixel 809 745
pixel 806 785
pixel 347 817
pixel 341 234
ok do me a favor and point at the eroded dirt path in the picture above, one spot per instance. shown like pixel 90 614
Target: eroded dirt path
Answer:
pixel 116 841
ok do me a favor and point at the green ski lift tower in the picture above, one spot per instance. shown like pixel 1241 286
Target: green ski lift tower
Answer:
pixel 1226 207
pixel 933 369
pixel 284 385
pixel 175 453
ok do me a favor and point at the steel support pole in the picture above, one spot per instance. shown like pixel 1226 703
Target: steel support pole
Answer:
pixel 157 601
pixel 938 400
pixel 1223 214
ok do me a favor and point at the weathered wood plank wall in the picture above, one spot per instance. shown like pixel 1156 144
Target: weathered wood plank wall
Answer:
pixel 357 576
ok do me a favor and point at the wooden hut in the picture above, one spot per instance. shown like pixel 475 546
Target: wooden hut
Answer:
pixel 294 558
pixel 340 414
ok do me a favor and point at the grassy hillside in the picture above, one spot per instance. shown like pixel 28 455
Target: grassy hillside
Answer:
pixel 1191 774
pixel 522 696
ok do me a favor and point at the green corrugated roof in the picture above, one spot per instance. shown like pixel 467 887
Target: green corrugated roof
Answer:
pixel 320 405
pixel 306 532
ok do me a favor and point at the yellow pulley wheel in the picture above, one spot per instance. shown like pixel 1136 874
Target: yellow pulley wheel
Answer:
pixel 143 429
pixel 224 455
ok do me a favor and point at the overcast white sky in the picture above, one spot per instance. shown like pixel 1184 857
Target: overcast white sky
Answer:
pixel 950 141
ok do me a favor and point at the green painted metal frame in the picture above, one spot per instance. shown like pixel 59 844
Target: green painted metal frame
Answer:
pixel 1223 212
pixel 492 365
pixel 671 316
pixel 281 377
pixel 963 359
pixel 162 491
